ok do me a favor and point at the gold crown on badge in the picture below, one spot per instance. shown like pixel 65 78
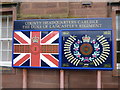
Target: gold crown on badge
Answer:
pixel 86 38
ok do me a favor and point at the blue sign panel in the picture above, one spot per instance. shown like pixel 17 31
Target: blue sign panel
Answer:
pixel 87 49
pixel 78 23
pixel 63 44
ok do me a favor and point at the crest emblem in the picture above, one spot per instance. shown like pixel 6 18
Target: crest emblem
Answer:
pixel 86 51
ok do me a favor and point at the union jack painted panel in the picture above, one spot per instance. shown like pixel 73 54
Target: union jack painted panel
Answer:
pixel 36 49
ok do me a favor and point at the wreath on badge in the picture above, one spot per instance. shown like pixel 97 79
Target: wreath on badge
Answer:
pixel 86 51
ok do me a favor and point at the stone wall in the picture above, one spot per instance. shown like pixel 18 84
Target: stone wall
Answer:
pixel 62 10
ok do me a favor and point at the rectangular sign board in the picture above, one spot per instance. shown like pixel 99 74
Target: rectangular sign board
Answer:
pixel 72 47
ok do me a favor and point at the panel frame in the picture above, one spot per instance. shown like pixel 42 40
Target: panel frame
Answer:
pixel 91 68
pixel 60 45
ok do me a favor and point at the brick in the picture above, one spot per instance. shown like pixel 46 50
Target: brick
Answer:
pixel 43 78
pixel 51 79
pixel 106 73
pixel 78 5
pixel 44 5
pixel 63 4
pixel 66 79
pixel 43 81
pixel 72 12
pixel 83 84
pixel 12 81
pixel 39 5
pixel 86 79
pixel 57 11
pixel 82 73
pixel 51 4
pixel 43 85
pixel 110 86
pixel 88 12
pixel 37 72
pixel 97 16
pixel 74 5
pixel 99 5
pixel 81 79
pixel 109 79
pixel 51 72
pixel 25 6
pixel 92 12
pixel 35 12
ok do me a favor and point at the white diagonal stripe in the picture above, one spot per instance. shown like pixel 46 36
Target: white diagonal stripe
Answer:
pixel 94 63
pixel 19 57
pixel 99 37
pixel 53 39
pixel 24 37
pixel 47 61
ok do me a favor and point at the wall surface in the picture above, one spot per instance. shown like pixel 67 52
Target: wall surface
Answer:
pixel 63 10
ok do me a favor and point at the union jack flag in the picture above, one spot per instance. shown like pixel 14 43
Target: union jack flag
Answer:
pixel 36 48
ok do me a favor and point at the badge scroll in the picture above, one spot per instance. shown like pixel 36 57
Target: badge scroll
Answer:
pixel 86 50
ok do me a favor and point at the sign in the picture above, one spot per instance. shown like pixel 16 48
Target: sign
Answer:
pixel 36 49
pixel 39 24
pixel 63 44
pixel 87 49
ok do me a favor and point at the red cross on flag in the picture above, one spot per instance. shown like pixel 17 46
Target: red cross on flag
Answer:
pixel 36 48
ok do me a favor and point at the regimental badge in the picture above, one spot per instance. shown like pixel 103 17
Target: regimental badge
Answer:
pixel 86 50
